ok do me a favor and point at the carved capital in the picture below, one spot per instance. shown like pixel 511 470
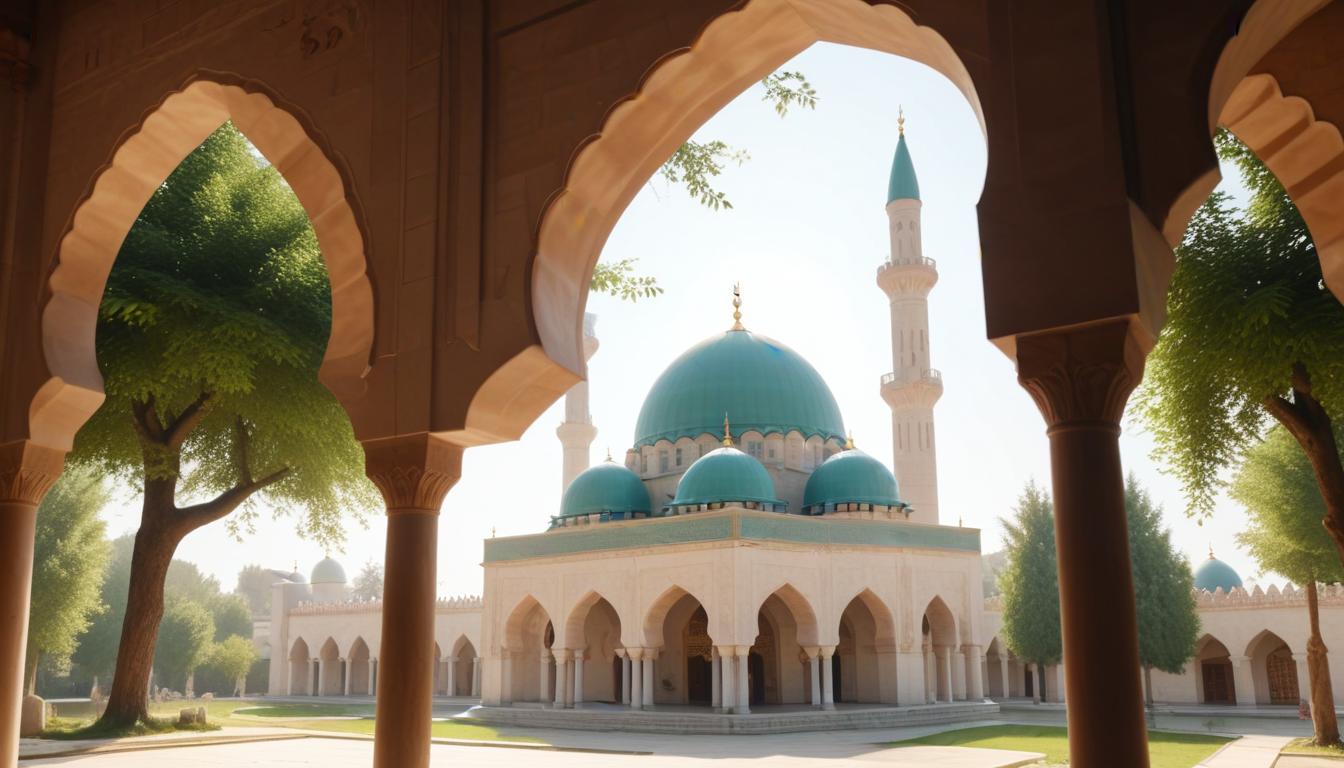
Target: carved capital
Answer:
pixel 413 472
pixel 28 470
pixel 1081 374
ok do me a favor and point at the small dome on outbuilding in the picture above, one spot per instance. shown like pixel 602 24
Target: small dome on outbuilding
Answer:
pixel 1214 573
pixel 605 488
pixel 726 475
pixel 328 571
pixel 296 577
pixel 851 477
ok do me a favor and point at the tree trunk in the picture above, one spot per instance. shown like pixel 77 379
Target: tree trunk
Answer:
pixel 30 685
pixel 1323 720
pixel 1036 678
pixel 154 548
pixel 1310 425
pixel 1148 686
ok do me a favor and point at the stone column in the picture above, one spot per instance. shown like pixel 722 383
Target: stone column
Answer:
pixel 414 474
pixel 321 688
pixel 475 676
pixel 289 677
pixel 827 677
pixel 314 676
pixel 911 678
pixel 728 686
pixel 943 653
pixel 813 676
pixel 578 678
pixel 625 676
pixel 373 680
pixel 544 683
pixel 345 673
pixel 743 698
pixel 1244 680
pixel 1081 378
pixel 27 472
pixel 452 676
pixel 650 656
pixel 561 665
pixel 958 673
pixel 1005 690
pixel 636 678
pixel 506 677
pixel 975 681
pixel 715 682
pixel 1303 677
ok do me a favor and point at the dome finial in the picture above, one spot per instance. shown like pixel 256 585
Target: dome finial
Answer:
pixel 727 432
pixel 737 307
pixel 900 119
pixel 849 440
pixel 609 453
pixel 1211 557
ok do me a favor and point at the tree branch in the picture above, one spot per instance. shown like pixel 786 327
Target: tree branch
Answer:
pixel 146 420
pixel 240 453
pixel 188 419
pixel 197 515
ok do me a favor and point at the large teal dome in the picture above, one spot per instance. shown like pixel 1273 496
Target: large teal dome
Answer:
pixel 328 571
pixel 607 487
pixel 851 477
pixel 760 384
pixel 1214 573
pixel 725 475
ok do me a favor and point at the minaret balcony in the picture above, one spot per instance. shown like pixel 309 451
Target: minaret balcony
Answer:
pixel 908 389
pixel 908 276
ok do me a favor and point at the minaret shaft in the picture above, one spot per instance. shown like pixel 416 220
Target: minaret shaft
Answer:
pixel 577 432
pixel 913 386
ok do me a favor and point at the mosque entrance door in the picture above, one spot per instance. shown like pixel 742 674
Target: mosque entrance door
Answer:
pixel 699 665
pixel 837 685
pixel 1218 682
pixel 618 679
pixel 1282 673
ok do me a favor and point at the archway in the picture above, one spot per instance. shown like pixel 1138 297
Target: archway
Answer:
pixel 594 630
pixel 330 675
pixel 138 166
pixel 357 668
pixel 528 637
pixel 1273 670
pixel 777 667
pixel 679 626
pixel 997 685
pixel 1215 681
pixel 940 644
pixel 865 660
pixel 464 668
pixel 300 669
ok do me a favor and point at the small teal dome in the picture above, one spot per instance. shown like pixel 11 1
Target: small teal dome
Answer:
pixel 851 476
pixel 903 185
pixel 607 487
pixel 328 571
pixel 296 577
pixel 759 383
pixel 1214 573
pixel 725 475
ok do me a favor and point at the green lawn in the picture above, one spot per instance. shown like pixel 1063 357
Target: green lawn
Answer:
pixel 305 710
pixel 1167 750
pixel 1305 747
pixel 438 729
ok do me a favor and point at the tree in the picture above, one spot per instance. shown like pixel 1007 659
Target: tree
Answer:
pixel 232 658
pixel 254 584
pixel 97 651
pixel 184 641
pixel 1252 335
pixel 69 561
pixel 1277 485
pixel 368 585
pixel 694 165
pixel 231 616
pixel 991 565
pixel 211 329
pixel 1164 595
pixel 1029 583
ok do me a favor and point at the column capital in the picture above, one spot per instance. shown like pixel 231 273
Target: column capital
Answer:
pixel 1083 373
pixel 827 651
pixel 635 653
pixel 742 650
pixel 812 651
pixel 620 653
pixel 28 470
pixel 413 472
pixel 561 654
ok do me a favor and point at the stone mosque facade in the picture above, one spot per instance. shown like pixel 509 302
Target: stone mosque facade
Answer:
pixel 745 553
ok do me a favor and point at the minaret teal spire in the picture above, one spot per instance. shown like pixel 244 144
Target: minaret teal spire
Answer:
pixel 903 184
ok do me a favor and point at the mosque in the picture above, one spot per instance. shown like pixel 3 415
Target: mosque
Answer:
pixel 745 554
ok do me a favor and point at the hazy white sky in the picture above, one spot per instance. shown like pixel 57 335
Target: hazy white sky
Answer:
pixel 805 237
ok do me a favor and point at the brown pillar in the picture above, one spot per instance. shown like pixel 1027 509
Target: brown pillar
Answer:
pixel 1081 378
pixel 27 472
pixel 414 474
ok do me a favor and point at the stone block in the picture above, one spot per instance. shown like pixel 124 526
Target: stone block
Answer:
pixel 33 718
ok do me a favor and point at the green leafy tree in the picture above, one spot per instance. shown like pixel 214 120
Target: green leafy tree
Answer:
pixel 232 658
pixel 368 584
pixel 1029 583
pixel 96 655
pixel 1252 335
pixel 184 641
pixel 69 561
pixel 1280 491
pixel 1164 595
pixel 254 584
pixel 231 616
pixel 210 333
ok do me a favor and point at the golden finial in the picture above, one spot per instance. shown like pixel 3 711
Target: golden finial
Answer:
pixel 727 433
pixel 900 119
pixel 1211 557
pixel 609 453
pixel 737 307
pixel 492 531
pixel 849 441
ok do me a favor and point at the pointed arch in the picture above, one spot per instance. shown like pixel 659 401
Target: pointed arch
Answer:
pixel 657 612
pixel 524 612
pixel 883 616
pixel 357 667
pixel 809 629
pixel 1215 681
pixel 1273 669
pixel 942 622
pixel 578 615
pixel 139 164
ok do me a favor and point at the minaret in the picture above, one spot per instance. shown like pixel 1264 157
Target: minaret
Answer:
pixel 577 432
pixel 913 386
